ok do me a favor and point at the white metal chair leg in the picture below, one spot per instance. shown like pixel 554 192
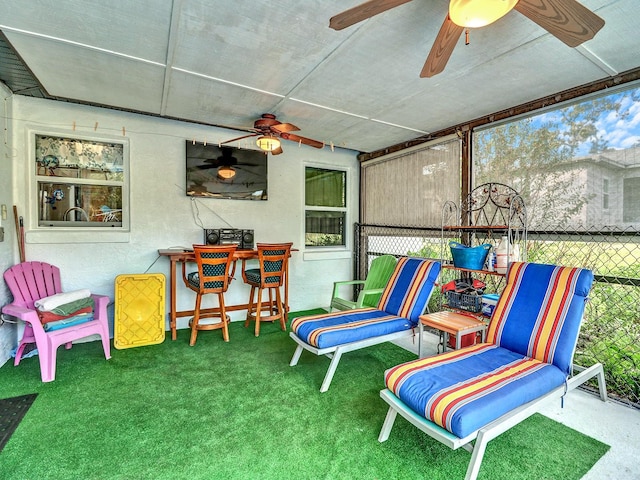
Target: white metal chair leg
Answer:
pixel 584 374
pixel 476 457
pixel 296 356
pixel 602 385
pixel 388 424
pixel 332 369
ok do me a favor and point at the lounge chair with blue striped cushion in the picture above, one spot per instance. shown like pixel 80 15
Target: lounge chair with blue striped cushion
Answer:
pixel 467 397
pixel 403 300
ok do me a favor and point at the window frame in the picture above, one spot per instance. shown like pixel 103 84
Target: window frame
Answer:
pixel 59 232
pixel 628 199
pixel 347 221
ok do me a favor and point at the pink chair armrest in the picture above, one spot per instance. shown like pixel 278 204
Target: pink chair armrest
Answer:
pixel 22 313
pixel 30 317
pixel 100 302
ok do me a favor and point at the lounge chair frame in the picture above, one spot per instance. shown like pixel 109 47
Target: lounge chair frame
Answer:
pixel 515 327
pixel 492 430
pixel 336 352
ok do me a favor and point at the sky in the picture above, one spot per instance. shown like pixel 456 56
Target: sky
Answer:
pixel 620 132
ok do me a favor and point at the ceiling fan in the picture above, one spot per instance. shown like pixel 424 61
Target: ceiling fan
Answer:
pixel 269 131
pixel 567 20
pixel 226 164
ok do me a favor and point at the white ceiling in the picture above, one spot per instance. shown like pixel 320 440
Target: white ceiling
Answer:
pixel 226 62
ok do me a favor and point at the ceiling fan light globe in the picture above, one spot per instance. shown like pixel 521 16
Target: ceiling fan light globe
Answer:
pixel 478 13
pixel 268 143
pixel 226 173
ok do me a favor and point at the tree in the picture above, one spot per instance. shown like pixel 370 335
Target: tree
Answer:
pixel 545 157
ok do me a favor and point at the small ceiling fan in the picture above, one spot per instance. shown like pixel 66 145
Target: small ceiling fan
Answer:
pixel 269 131
pixel 226 164
pixel 567 20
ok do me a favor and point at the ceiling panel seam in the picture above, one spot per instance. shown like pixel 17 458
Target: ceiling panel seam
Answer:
pixel 176 8
pixel 329 55
pixel 597 61
pixel 6 28
pixel 228 82
pixel 326 58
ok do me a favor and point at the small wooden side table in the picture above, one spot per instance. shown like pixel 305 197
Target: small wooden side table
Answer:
pixel 450 323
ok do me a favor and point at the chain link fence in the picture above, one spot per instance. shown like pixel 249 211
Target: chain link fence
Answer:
pixel 610 332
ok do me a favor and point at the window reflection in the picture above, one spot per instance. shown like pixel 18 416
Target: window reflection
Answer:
pixel 80 182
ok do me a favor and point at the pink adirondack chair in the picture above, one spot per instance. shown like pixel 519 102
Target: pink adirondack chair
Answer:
pixel 32 281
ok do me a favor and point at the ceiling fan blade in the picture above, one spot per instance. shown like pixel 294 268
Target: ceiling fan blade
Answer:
pixel 362 12
pixel 276 151
pixel 303 140
pixel 285 127
pixel 239 138
pixel 442 48
pixel 567 20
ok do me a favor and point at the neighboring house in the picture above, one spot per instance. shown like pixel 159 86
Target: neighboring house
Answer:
pixel 613 179
pixel 604 188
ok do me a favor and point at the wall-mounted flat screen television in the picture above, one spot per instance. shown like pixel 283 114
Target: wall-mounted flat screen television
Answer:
pixel 226 172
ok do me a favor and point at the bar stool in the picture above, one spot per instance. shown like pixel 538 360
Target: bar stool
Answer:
pixel 273 259
pixel 215 270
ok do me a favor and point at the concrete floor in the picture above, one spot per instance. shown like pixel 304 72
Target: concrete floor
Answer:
pixel 611 423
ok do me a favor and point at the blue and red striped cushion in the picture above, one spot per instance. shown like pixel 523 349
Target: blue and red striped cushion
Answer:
pixel 463 390
pixel 532 337
pixel 409 288
pixel 540 311
pixel 338 328
pixel 402 302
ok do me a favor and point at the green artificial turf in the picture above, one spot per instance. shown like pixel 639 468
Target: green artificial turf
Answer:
pixel 237 410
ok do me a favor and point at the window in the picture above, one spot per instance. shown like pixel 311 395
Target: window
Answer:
pixel 631 200
pixel 570 162
pixel 80 183
pixel 325 207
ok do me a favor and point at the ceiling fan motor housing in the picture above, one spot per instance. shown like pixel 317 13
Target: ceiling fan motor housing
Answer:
pixel 265 122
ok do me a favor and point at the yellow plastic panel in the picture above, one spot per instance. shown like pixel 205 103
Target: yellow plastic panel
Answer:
pixel 139 310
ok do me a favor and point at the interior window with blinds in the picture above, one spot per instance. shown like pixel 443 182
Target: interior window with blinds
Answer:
pixel 325 207
pixel 409 188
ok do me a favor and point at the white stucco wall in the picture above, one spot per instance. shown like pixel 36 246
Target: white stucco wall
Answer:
pixel 162 215
pixel 8 246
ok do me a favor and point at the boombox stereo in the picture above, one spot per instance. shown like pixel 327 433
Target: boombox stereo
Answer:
pixel 226 236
